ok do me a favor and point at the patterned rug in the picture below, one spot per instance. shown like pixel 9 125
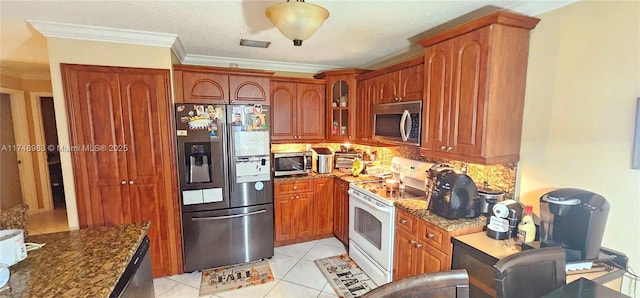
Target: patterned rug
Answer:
pixel 235 277
pixel 344 276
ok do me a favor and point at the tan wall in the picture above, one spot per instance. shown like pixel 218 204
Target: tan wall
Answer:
pixel 93 53
pixel 582 84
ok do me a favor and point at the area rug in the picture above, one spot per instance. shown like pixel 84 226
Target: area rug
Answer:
pixel 344 276
pixel 235 277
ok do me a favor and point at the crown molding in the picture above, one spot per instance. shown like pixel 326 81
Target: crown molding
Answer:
pixel 178 49
pixel 414 50
pixel 255 64
pixel 25 75
pixel 104 34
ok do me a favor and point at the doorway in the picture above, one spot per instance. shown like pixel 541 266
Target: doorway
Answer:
pixel 10 191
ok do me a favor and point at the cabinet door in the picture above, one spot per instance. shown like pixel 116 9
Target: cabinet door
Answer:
pixel 411 83
pixel 340 211
pixel 388 86
pixel 363 108
pixel 429 259
pixel 323 206
pixel 284 221
pixel 303 214
pixel 403 254
pixel 470 52
pixel 435 108
pixel 202 87
pixel 95 114
pixel 146 131
pixel 283 111
pixel 249 89
pixel 310 111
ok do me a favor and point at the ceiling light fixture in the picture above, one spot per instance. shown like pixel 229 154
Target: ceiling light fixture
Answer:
pixel 297 20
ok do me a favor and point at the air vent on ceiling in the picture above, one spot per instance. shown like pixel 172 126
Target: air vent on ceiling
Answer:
pixel 254 43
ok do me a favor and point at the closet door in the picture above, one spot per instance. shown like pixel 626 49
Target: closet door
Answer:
pixel 124 113
pixel 95 118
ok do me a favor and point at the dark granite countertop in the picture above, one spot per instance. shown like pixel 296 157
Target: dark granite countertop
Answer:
pixel 418 207
pixel 81 263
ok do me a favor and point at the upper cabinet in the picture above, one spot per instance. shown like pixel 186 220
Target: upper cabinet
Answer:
pixel 474 82
pixel 298 107
pixel 195 84
pixel 365 96
pixel 341 103
pixel 400 82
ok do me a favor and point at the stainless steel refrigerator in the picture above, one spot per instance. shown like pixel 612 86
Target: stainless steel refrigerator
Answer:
pixel 226 187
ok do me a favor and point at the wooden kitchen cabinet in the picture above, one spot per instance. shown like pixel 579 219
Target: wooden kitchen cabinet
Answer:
pixel 365 95
pixel 341 103
pixel 341 210
pixel 124 115
pixel 293 209
pixel 323 206
pixel 399 82
pixel 474 82
pixel 303 210
pixel 218 85
pixel 421 247
pixel 298 107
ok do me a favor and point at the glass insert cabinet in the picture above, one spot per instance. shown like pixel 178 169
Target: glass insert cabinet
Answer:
pixel 341 102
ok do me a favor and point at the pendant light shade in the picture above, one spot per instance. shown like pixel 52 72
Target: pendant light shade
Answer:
pixel 297 20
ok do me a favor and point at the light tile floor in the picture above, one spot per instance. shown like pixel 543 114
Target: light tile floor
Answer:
pixel 295 273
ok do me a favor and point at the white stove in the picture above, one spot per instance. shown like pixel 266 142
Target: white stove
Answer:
pixel 372 216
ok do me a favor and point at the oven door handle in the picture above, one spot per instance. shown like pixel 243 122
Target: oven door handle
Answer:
pixel 361 199
pixel 403 122
pixel 228 216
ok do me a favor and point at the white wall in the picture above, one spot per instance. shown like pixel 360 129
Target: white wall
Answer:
pixel 92 53
pixel 582 83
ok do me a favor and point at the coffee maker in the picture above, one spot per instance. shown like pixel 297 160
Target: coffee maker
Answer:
pixel 573 219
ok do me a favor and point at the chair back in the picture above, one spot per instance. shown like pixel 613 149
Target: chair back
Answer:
pixel 454 283
pixel 530 273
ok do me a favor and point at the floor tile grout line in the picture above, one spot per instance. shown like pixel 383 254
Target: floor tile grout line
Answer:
pixel 167 289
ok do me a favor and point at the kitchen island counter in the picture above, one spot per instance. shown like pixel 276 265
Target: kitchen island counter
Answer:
pixel 80 263
pixel 418 208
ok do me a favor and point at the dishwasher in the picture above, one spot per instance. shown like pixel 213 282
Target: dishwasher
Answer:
pixel 137 279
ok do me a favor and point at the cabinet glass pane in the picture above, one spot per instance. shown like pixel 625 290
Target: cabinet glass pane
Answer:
pixel 335 126
pixel 344 123
pixel 340 93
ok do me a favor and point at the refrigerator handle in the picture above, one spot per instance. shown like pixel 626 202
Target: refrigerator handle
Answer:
pixel 225 154
pixel 228 216
pixel 231 160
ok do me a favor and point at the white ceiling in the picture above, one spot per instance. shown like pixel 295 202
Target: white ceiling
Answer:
pixel 358 33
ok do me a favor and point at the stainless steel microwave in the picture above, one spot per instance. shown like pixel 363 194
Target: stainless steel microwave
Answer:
pixel 292 163
pixel 398 122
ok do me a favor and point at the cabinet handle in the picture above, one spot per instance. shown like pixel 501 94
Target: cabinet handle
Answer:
pixel 430 235
pixel 449 149
pixel 295 187
pixel 123 182
pixel 403 221
pixel 412 242
pixel 291 198
pixel 443 148
pixel 297 197
pixel 417 245
pixel 130 181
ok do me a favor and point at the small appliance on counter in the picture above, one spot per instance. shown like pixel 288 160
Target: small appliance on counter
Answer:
pixel 573 219
pixel 292 163
pixel 322 160
pixel 344 159
pixel 490 195
pixel 12 247
pixel 504 220
pixel 454 195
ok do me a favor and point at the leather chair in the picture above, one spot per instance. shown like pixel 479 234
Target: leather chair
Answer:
pixel 454 283
pixel 530 273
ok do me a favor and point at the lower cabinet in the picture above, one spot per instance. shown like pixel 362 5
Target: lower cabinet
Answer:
pixel 303 210
pixel 421 247
pixel 341 210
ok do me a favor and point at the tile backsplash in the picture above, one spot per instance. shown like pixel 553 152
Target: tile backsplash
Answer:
pixel 503 175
